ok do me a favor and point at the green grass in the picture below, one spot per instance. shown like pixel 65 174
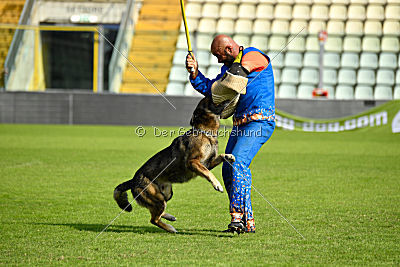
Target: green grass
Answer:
pixel 341 191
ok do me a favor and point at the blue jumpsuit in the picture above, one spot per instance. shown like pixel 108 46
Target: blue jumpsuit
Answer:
pixel 253 125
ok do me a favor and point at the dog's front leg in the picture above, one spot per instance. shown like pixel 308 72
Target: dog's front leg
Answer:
pixel 220 158
pixel 196 166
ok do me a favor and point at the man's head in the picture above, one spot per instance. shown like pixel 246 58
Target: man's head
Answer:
pixel 225 49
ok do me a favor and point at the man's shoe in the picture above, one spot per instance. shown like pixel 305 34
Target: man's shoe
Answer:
pixel 237 227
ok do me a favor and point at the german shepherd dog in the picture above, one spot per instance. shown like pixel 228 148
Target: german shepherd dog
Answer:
pixel 192 154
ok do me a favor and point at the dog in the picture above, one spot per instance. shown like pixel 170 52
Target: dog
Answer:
pixel 192 154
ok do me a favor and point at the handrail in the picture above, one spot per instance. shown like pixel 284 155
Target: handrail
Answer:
pixel 16 41
pixel 120 46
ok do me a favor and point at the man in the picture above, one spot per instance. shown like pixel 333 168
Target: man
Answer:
pixel 253 121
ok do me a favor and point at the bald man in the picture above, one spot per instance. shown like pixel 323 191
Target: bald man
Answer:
pixel 253 120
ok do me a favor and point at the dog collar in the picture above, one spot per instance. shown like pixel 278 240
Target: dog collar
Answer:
pixel 206 133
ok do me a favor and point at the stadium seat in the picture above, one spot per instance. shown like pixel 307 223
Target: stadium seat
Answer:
pixel 228 11
pixel 356 12
pixel 331 91
pixel 390 44
pixel 388 60
pixel 178 74
pixel 210 10
pixel 241 39
pixel 396 94
pixel 207 25
pixel 309 76
pixel 392 12
pixel 391 27
pixel 371 44
pixel 383 92
pixel 378 2
pixel 213 71
pixel 338 12
pixel 190 91
pixel 335 28
pixel 225 26
pixel 243 26
pixel 315 26
pixel 276 43
pixel 283 11
pixel 363 92
pixel 375 12
pixel 214 61
pixel 347 76
pixel 366 77
pixel 359 2
pixel 369 60
pixel 287 91
pixel 260 42
pixel 332 60
pixel 280 27
pixel 354 27
pixel 298 27
pixel 344 92
pixel 323 2
pixel 179 57
pixel 290 76
pixel 304 2
pixel 311 59
pixel 264 11
pixel 385 77
pixel 288 2
pixel 175 88
pixel 293 59
pixel 334 44
pixel 193 10
pixel 329 76
pixel 262 27
pixel 203 41
pixel 349 60
pixel 352 44
pixel 398 75
pixel 247 11
pixel 277 59
pixel 372 28
pixel 297 44
pixel 305 91
pixel 203 58
pixel 301 12
pixel 319 12
pixel 312 44
pixel 277 75
pixel 181 42
pixel 192 24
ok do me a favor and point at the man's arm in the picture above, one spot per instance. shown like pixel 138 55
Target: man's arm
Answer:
pixel 199 82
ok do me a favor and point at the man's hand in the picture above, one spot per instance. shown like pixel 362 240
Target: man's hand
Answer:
pixel 191 63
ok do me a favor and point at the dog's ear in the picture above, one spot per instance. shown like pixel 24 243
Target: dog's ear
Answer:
pixel 219 108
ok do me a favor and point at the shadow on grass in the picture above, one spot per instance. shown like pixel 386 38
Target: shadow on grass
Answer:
pixel 137 229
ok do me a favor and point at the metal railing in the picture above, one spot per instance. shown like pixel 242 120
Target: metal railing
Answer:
pixel 122 45
pixel 16 41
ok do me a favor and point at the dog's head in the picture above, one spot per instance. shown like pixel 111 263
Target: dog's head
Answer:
pixel 207 114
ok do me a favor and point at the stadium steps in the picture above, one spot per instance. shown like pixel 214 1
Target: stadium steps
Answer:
pixel 10 11
pixel 153 47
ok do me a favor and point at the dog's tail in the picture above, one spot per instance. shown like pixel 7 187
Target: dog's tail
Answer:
pixel 121 197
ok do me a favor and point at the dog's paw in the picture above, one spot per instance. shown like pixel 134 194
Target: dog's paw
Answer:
pixel 230 158
pixel 219 187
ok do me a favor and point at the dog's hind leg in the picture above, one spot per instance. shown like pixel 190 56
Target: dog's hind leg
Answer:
pixel 196 166
pixel 168 217
pixel 156 213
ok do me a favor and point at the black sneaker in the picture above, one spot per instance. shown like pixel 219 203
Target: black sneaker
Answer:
pixel 237 227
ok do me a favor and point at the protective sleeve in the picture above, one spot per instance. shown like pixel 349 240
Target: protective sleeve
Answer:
pixel 254 61
pixel 203 84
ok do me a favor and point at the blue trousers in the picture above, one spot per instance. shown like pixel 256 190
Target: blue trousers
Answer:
pixel 244 143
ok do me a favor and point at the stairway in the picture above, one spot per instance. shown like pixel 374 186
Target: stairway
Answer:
pixel 153 46
pixel 10 11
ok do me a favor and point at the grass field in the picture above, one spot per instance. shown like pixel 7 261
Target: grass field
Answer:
pixel 341 191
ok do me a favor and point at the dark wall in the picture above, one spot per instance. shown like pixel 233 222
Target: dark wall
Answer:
pixel 127 109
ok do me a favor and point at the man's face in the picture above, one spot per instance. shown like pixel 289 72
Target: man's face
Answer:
pixel 224 55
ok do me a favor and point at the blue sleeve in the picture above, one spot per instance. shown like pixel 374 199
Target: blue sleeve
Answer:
pixel 203 84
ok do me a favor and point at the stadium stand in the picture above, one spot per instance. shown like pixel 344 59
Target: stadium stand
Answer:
pixel 362 50
pixel 10 11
